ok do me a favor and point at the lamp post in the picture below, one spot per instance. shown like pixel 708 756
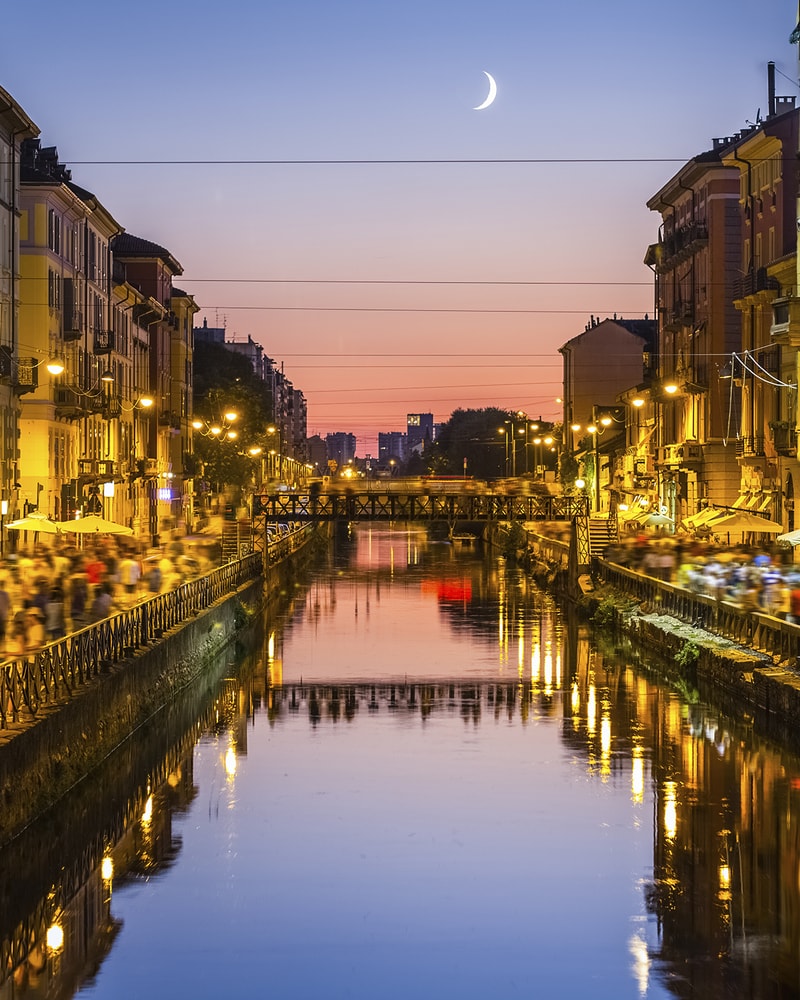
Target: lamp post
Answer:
pixel 143 403
pixel 273 430
pixel 220 430
pixel 504 432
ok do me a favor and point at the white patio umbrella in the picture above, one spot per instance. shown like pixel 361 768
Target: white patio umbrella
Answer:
pixel 93 524
pixel 657 520
pixel 790 538
pixel 742 520
pixel 35 522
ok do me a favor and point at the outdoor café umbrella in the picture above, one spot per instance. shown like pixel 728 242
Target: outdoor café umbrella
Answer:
pixel 35 522
pixel 657 520
pixel 93 524
pixel 742 520
pixel 790 538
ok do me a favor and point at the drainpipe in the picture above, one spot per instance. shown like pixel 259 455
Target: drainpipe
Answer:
pixel 750 429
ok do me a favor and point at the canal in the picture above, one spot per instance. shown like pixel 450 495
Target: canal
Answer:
pixel 421 779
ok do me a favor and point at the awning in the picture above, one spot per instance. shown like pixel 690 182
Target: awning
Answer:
pixel 702 517
pixel 755 502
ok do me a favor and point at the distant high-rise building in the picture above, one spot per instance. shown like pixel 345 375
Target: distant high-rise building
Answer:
pixel 317 455
pixel 392 446
pixel 341 447
pixel 420 431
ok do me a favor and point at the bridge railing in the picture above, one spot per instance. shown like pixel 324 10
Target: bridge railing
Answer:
pixel 372 505
pixel 44 676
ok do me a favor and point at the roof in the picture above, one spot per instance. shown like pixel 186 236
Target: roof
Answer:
pixel 128 246
pixel 41 165
pixel 644 329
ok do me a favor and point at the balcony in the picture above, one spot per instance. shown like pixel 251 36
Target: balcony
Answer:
pixel 754 282
pixel 688 454
pixel 784 438
pixel 69 403
pixel 679 245
pixel 72 324
pixel 169 419
pixel 750 446
pixel 26 377
pixel 104 341
pixel 677 314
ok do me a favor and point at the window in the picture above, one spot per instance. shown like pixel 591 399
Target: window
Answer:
pixel 92 256
pixel 53 231
pixel 53 289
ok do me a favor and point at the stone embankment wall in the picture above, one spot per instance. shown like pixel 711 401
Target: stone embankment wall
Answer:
pixel 743 681
pixel 43 760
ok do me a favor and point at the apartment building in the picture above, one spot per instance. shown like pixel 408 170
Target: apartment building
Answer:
pixel 765 371
pixel 15 128
pixel 694 263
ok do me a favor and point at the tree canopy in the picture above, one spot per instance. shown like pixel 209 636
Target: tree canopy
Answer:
pixel 473 436
pixel 225 382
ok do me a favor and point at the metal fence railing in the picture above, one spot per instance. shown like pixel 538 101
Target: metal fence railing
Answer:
pixel 755 630
pixel 43 676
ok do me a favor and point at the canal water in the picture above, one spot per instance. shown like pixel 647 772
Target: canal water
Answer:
pixel 424 779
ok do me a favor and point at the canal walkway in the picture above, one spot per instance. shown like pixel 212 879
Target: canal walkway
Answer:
pixel 68 704
pixel 748 658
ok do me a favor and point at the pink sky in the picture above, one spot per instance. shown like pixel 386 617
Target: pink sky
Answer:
pixel 318 82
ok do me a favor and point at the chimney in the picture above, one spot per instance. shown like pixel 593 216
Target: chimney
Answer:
pixel 771 89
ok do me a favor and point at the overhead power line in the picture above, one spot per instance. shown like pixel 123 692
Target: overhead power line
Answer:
pixel 355 162
pixel 628 313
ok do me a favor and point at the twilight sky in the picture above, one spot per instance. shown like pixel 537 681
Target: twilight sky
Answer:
pixel 393 287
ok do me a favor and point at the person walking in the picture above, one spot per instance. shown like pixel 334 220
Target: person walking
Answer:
pixel 101 605
pixel 54 618
pixel 5 611
pixel 130 572
pixel 78 597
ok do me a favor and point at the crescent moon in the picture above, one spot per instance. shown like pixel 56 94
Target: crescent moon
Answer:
pixel 492 92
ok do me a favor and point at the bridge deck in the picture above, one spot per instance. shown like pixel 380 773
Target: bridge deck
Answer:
pixel 374 506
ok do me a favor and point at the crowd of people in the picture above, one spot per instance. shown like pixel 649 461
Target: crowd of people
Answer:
pixel 752 577
pixel 48 590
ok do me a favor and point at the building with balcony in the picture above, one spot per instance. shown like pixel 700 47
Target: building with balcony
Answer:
pixel 694 416
pixel 166 313
pixel 764 373
pixel 66 313
pixel 15 128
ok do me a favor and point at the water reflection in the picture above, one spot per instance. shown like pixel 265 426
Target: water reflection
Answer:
pixel 58 877
pixel 632 843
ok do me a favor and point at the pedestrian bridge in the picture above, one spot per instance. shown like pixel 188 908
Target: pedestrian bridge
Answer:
pixel 372 505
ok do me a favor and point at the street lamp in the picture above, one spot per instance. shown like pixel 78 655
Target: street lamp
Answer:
pixel 136 466
pixel 3 513
pixel 273 430
pixel 222 430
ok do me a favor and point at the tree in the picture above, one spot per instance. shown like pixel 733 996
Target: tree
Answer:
pixel 224 382
pixel 474 435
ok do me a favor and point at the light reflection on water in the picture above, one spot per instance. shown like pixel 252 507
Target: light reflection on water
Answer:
pixel 429 783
